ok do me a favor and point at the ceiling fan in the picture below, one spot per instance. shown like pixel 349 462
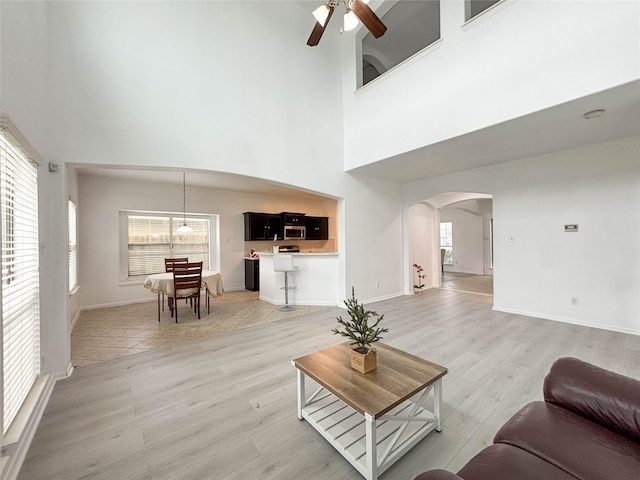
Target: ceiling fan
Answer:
pixel 354 10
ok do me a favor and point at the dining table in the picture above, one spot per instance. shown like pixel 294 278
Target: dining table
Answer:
pixel 162 284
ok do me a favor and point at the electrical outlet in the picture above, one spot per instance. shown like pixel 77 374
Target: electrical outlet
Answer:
pixel 573 300
pixel 377 284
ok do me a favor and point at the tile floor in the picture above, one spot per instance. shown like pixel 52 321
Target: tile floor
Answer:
pixel 467 282
pixel 115 332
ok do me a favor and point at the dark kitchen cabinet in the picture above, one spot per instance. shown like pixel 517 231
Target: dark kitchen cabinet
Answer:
pixel 262 226
pixel 317 228
pixel 252 274
pixel 290 218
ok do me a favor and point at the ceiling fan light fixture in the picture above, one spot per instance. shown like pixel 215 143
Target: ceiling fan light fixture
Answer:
pixel 321 13
pixel 350 20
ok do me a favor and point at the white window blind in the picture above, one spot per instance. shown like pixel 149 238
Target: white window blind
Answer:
pixel 20 279
pixel 152 238
pixel 446 241
pixel 73 246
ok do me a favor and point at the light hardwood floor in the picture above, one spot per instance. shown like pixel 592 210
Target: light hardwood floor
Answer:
pixel 225 407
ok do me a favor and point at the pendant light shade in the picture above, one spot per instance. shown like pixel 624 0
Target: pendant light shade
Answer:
pixel 184 228
pixel 321 13
pixel 350 20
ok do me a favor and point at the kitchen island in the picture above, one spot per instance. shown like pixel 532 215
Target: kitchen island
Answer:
pixel 314 280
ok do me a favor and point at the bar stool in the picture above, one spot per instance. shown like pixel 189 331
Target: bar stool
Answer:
pixel 284 263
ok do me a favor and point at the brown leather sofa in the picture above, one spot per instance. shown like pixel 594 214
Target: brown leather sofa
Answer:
pixel 587 428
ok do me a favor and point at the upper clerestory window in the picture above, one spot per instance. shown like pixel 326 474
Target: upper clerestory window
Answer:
pixel 411 27
pixel 473 8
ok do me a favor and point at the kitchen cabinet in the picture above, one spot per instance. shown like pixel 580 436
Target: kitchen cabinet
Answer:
pixel 262 226
pixel 289 218
pixel 317 228
pixel 252 274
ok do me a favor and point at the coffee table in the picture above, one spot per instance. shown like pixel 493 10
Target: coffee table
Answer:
pixel 371 419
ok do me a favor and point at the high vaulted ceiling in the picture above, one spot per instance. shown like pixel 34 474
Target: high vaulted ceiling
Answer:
pixel 557 128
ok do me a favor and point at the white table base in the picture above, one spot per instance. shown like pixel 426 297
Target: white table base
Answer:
pixel 370 445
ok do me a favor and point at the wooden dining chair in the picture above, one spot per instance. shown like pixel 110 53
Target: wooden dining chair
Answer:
pixel 187 281
pixel 168 267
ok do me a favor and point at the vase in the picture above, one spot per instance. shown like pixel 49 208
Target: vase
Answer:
pixel 364 362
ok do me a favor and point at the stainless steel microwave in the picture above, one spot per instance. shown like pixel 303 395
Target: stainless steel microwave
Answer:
pixel 294 232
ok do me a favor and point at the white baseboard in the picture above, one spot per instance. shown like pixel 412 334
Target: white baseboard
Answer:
pixel 571 321
pixel 75 320
pixel 383 297
pixel 279 301
pixel 18 446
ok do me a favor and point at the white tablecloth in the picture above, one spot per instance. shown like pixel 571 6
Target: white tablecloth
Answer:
pixel 163 283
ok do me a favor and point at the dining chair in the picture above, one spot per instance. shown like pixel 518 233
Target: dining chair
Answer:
pixel 168 267
pixel 187 281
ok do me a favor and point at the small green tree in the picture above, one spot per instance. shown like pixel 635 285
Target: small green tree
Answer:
pixel 358 329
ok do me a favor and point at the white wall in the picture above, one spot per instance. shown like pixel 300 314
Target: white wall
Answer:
pixel 596 187
pixel 24 99
pixel 423 245
pixel 101 200
pixel 529 56
pixel 219 86
pixel 467 241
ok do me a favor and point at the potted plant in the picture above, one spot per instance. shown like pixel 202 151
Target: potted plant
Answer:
pixel 421 276
pixel 361 333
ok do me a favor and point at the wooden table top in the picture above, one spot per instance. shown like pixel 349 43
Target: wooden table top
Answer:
pixel 399 376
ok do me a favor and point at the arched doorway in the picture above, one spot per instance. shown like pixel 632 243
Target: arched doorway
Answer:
pixel 460 225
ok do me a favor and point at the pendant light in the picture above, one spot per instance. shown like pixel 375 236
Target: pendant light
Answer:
pixel 184 228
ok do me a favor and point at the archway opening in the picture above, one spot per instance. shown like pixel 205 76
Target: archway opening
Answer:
pixel 451 239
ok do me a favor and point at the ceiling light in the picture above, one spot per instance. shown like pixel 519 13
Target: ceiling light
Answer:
pixel 354 10
pixel 321 13
pixel 184 228
pixel 593 114
pixel 350 20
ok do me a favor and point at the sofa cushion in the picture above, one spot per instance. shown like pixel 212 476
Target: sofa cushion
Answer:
pixel 437 474
pixel 606 397
pixel 506 462
pixel 574 444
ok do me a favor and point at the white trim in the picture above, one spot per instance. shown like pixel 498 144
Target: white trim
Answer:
pixel 75 320
pixel 21 433
pixel 384 297
pixel 571 321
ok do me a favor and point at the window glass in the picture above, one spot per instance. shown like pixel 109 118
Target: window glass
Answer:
pixel 73 245
pixel 20 279
pixel 446 241
pixel 411 26
pixel 152 238
pixel 473 8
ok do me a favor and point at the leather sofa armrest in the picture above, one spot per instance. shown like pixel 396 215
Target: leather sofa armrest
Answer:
pixel 605 397
pixel 438 475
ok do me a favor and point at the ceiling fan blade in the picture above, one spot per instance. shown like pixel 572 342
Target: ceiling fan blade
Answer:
pixel 368 18
pixel 318 30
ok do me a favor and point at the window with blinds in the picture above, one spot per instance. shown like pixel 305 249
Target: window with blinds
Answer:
pixel 20 278
pixel 446 242
pixel 73 245
pixel 152 238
